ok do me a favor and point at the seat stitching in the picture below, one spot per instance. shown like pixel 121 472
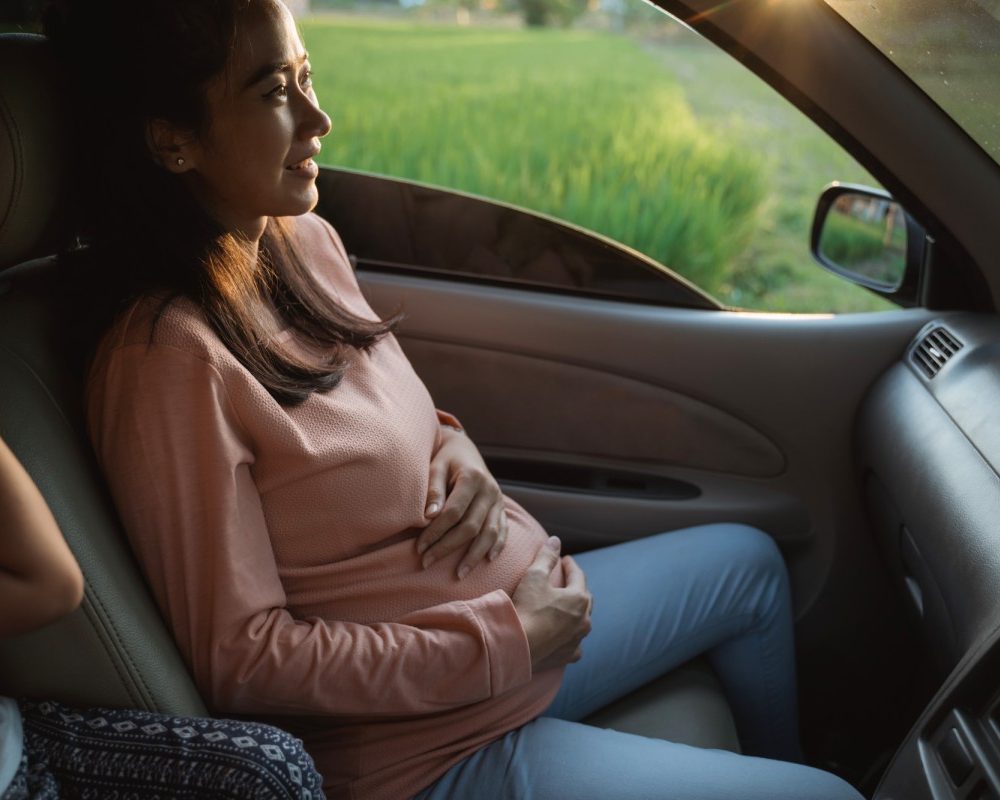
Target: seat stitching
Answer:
pixel 100 626
pixel 126 654
pixel 108 624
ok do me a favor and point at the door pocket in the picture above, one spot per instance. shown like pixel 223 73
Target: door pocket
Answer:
pixel 589 480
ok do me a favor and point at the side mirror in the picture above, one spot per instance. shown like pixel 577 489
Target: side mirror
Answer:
pixel 866 237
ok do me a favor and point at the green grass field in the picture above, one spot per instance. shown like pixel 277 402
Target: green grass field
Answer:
pixel 664 145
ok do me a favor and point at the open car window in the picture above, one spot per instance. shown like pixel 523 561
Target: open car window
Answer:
pixel 628 124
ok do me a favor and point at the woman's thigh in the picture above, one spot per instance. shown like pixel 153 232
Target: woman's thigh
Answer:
pixel 552 758
pixel 663 600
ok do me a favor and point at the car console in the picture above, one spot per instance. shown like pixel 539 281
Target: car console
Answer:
pixel 928 437
pixel 954 749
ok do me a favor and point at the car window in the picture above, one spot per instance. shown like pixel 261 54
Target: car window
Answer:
pixel 611 116
pixel 625 123
pixel 950 48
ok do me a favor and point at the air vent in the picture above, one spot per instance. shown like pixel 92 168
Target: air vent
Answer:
pixel 933 351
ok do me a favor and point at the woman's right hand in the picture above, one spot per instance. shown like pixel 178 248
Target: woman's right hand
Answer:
pixel 555 619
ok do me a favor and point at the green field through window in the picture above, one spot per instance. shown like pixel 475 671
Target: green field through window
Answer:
pixel 658 141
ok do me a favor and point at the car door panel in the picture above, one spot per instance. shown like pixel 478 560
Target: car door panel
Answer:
pixel 616 414
pixel 586 520
pixel 786 387
pixel 590 399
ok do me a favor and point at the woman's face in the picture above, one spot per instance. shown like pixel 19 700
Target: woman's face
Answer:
pixel 255 160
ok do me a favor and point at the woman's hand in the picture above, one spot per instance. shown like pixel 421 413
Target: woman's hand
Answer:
pixel 555 619
pixel 465 504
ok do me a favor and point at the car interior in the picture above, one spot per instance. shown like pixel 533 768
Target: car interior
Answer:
pixel 865 444
pixel 115 650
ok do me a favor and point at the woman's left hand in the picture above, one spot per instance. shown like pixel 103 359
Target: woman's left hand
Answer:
pixel 465 504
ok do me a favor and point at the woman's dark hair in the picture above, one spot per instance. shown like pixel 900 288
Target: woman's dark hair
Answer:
pixel 129 63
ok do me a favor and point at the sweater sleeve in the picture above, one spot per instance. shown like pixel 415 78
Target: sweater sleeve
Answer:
pixel 179 464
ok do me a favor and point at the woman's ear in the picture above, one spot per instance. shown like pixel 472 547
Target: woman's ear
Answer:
pixel 170 147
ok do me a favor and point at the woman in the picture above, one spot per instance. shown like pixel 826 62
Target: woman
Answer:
pixel 48 750
pixel 327 548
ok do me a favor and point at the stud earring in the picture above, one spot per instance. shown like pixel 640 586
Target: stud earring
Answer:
pixel 180 162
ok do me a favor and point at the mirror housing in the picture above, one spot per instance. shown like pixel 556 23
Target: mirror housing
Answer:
pixel 867 238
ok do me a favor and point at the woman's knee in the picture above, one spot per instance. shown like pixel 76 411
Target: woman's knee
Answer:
pixel 758 573
pixel 753 548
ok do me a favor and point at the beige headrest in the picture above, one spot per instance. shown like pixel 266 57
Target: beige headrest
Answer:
pixel 33 146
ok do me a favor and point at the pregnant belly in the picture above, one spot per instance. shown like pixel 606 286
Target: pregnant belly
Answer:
pixel 386 584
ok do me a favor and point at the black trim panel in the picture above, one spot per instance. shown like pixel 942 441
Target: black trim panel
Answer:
pixel 402 226
pixel 570 477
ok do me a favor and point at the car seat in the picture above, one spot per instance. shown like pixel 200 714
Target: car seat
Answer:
pixel 115 650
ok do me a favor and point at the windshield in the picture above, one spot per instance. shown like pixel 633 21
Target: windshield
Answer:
pixel 950 48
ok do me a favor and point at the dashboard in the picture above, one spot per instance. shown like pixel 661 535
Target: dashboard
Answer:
pixel 929 450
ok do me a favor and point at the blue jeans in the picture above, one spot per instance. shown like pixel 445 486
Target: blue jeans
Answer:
pixel 721 590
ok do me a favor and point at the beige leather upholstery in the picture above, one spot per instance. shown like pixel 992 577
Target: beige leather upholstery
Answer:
pixel 686 705
pixel 115 650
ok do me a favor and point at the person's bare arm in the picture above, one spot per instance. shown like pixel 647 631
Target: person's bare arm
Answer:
pixel 39 578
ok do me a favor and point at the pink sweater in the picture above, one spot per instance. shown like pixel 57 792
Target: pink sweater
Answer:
pixel 279 544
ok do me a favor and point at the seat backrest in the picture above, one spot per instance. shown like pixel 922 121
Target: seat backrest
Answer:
pixel 115 650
